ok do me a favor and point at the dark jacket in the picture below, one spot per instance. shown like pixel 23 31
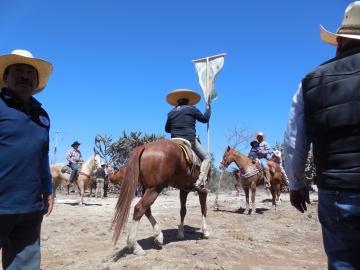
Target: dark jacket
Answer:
pixel 182 119
pixel 24 161
pixel 332 114
pixel 100 173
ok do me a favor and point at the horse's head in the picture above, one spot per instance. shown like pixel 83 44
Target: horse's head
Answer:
pixel 227 158
pixel 97 161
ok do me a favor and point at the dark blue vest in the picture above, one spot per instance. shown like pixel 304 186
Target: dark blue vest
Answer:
pixel 332 113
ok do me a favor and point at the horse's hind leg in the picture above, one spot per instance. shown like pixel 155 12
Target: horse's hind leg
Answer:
pixel 253 192
pixel 202 199
pixel 183 197
pixel 140 208
pixel 247 209
pixel 158 235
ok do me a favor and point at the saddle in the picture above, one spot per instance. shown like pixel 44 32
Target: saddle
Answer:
pixel 190 155
pixel 66 169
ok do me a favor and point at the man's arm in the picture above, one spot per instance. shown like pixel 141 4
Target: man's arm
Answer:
pixel 168 126
pixel 46 181
pixel 296 148
pixel 69 156
pixel 203 118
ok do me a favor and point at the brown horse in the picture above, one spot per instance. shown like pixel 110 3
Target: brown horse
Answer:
pixel 250 174
pixel 118 176
pixel 155 166
pixel 276 182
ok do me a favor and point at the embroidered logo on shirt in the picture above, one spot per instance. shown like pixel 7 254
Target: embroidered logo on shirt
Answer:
pixel 44 120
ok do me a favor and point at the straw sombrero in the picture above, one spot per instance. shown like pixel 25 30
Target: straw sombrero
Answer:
pixel 174 96
pixel 43 67
pixel 350 26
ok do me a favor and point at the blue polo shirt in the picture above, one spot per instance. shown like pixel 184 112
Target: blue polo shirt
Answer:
pixel 24 159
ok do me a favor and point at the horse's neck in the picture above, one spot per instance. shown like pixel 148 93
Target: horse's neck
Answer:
pixel 87 167
pixel 240 159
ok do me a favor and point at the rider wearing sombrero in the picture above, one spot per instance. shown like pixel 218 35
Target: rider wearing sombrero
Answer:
pixel 181 123
pixel 74 158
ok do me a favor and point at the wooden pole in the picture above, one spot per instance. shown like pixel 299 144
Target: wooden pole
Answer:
pixel 208 99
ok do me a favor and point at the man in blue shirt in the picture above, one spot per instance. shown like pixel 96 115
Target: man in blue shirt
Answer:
pixel 25 180
pixel 326 113
pixel 181 122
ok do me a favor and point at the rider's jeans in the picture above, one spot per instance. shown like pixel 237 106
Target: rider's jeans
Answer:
pixel 339 215
pixel 200 150
pixel 74 168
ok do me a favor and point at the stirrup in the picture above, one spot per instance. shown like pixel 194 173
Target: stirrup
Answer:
pixel 201 188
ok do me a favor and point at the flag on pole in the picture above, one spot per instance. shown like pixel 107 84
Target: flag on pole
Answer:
pixel 207 70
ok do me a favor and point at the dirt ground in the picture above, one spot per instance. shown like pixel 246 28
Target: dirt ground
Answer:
pixel 78 237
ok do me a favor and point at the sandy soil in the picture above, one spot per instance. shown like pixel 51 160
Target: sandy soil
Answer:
pixel 78 237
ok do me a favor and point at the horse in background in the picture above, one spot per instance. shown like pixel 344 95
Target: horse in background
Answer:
pixel 276 182
pixel 250 175
pixel 116 177
pixel 84 175
pixel 155 166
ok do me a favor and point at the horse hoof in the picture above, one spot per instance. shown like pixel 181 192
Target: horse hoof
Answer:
pixel 206 235
pixel 159 240
pixel 137 250
pixel 181 237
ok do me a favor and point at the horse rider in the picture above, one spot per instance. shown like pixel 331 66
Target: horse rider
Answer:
pixel 181 122
pixel 74 158
pixel 253 154
pixel 276 157
pixel 264 155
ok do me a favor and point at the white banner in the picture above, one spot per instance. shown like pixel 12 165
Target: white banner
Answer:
pixel 214 67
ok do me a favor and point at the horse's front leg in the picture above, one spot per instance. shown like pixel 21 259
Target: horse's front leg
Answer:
pixel 81 186
pixel 253 192
pixel 202 199
pixel 247 209
pixel 183 197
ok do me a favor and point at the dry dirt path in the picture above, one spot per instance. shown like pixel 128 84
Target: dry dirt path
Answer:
pixel 76 237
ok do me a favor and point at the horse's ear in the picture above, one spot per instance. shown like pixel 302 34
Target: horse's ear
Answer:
pixel 228 148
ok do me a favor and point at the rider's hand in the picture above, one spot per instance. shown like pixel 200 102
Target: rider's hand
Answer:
pixel 208 106
pixel 48 203
pixel 299 198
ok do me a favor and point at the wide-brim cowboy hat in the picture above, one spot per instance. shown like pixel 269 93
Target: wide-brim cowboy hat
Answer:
pixel 174 96
pixel 44 68
pixel 350 26
pixel 277 153
pixel 75 143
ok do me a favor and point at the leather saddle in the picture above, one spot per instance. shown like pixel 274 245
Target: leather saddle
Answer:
pixel 66 169
pixel 190 155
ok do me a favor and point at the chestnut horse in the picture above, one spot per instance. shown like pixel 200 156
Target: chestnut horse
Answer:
pixel 155 166
pixel 118 176
pixel 250 175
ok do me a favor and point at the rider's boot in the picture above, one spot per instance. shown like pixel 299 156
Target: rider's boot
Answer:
pixel 200 184
pixel 267 178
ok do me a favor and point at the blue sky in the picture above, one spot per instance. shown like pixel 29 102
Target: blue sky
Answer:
pixel 115 61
